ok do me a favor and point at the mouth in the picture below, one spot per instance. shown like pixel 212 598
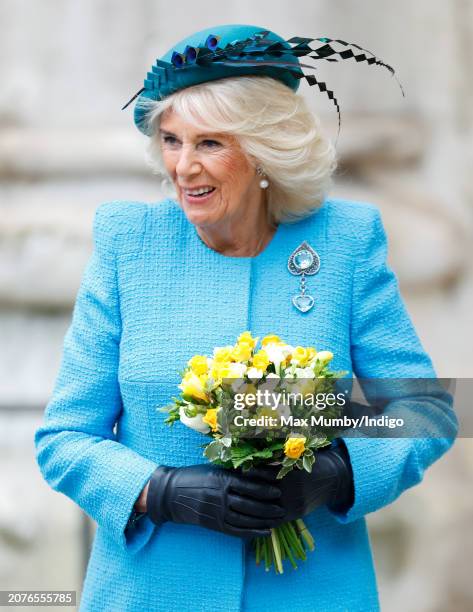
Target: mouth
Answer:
pixel 198 195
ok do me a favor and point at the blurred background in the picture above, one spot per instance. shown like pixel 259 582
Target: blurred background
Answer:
pixel 65 146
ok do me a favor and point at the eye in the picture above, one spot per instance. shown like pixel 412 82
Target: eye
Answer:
pixel 170 140
pixel 211 144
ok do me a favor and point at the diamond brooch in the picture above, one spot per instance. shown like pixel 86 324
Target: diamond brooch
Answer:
pixel 304 261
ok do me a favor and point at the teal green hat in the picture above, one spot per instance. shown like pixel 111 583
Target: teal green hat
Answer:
pixel 241 50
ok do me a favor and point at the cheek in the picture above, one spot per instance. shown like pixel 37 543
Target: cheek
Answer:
pixel 233 172
pixel 169 161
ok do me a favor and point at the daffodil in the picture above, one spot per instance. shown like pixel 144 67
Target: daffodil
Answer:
pixel 210 417
pixel 254 373
pixel 304 372
pixel 300 356
pixel 222 354
pixel 198 364
pixel 242 351
pixel 261 360
pixel 277 353
pixel 311 353
pixel 247 338
pixel 194 385
pixel 271 339
pixel 324 357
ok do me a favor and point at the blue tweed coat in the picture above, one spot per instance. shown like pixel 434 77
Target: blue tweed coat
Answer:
pixel 153 295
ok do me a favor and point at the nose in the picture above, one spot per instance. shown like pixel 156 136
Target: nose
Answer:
pixel 188 162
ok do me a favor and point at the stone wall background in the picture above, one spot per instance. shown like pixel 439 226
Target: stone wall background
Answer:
pixel 67 68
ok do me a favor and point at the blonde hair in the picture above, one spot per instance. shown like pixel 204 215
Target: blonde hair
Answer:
pixel 274 128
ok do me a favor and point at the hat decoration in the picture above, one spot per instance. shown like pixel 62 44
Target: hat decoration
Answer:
pixel 256 54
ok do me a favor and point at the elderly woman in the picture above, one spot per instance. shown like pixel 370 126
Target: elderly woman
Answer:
pixel 251 169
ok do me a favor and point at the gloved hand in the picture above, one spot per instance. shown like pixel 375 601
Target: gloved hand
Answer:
pixel 215 498
pixel 330 482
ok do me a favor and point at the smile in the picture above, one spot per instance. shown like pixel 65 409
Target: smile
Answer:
pixel 199 191
pixel 198 195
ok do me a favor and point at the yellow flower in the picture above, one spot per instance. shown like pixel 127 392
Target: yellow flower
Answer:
pixel 261 360
pixel 247 338
pixel 271 339
pixel 223 354
pixel 220 370
pixel 294 447
pixel 311 353
pixel 210 417
pixel 242 351
pixel 324 356
pixel 193 385
pixel 198 364
pixel 300 356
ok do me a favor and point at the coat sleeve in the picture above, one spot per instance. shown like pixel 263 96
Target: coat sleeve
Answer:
pixel 384 344
pixel 76 448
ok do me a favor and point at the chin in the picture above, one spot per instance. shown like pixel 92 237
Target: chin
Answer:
pixel 200 216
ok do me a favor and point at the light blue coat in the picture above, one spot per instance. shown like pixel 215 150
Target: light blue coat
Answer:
pixel 152 296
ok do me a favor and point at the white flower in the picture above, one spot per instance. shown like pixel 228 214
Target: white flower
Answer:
pixel 195 422
pixel 324 356
pixel 289 374
pixel 304 373
pixel 270 383
pixel 278 352
pixel 254 373
pixel 237 370
pixel 238 384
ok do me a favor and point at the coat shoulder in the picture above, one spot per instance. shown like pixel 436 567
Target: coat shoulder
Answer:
pixel 354 212
pixel 351 220
pixel 120 225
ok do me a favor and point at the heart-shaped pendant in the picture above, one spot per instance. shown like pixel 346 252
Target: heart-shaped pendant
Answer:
pixel 303 302
pixel 303 261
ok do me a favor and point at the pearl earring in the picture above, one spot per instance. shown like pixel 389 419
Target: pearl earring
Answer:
pixel 264 183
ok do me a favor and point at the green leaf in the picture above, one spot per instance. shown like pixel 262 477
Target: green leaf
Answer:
pixel 213 450
pixel 226 455
pixel 195 400
pixel 264 453
pixel 308 462
pixel 276 446
pixel 318 442
pixel 242 450
pixel 284 470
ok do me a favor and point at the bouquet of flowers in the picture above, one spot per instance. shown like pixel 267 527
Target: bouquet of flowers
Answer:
pixel 255 404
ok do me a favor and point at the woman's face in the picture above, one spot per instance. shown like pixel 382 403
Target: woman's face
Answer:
pixel 211 161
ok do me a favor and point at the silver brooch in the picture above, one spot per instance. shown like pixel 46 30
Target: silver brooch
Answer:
pixel 304 261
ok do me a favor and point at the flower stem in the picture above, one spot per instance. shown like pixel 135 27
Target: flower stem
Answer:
pixel 276 552
pixel 267 554
pixel 286 547
pixel 305 533
pixel 258 550
pixel 296 542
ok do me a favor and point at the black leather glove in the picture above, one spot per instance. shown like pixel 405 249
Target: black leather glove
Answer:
pixel 330 482
pixel 215 498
